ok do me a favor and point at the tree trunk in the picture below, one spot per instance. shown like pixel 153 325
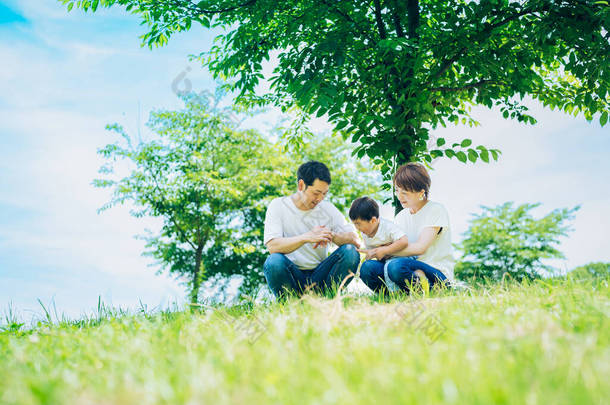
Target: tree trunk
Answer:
pixel 197 275
pixel 403 155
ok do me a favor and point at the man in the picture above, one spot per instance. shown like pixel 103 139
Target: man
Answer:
pixel 298 231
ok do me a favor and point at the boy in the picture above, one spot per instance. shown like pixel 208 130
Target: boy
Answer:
pixel 382 238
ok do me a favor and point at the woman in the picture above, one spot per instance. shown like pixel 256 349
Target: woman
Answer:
pixel 426 224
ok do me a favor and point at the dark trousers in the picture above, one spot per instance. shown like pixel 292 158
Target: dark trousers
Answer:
pixel 401 270
pixel 283 275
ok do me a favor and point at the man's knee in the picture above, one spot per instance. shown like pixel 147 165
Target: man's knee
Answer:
pixel 276 262
pixel 350 253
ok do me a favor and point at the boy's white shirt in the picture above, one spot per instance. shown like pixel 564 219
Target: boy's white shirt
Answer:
pixel 387 232
pixel 284 219
pixel 440 253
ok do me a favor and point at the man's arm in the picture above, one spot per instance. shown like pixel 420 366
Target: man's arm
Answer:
pixel 387 250
pixel 343 238
pixel 318 235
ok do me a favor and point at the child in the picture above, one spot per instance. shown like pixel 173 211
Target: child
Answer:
pixel 382 238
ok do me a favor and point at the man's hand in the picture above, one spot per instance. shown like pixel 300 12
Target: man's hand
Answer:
pixel 377 253
pixel 343 238
pixel 319 236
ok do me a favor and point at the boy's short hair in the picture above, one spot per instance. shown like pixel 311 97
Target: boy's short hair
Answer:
pixel 364 208
pixel 312 170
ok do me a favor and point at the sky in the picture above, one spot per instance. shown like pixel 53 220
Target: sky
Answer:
pixel 64 76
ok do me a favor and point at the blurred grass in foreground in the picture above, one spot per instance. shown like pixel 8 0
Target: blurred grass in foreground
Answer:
pixel 541 342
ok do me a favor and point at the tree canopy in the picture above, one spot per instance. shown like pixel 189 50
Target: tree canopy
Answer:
pixel 591 270
pixel 385 72
pixel 202 175
pixel 509 240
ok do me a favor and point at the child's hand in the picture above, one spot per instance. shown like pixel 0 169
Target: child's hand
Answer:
pixel 376 253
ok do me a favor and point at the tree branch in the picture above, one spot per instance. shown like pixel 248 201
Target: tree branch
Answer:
pixel 396 19
pixel 199 10
pixel 171 215
pixel 413 18
pixel 474 85
pixel 380 26
pixel 348 18
pixel 447 63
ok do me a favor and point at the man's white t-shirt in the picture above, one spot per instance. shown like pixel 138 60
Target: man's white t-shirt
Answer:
pixel 440 253
pixel 387 232
pixel 284 220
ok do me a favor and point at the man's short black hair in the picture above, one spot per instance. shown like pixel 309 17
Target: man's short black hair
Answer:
pixel 364 208
pixel 312 171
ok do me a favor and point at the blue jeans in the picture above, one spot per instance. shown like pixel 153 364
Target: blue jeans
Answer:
pixel 283 275
pixel 401 270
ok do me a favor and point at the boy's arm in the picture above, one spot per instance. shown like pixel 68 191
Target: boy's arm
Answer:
pixel 387 250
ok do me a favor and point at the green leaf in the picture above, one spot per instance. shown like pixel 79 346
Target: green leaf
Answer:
pixel 603 119
pixel 461 156
pixel 342 124
pixel 484 156
pixel 440 141
pixel 436 153
pixel 466 143
pixel 472 155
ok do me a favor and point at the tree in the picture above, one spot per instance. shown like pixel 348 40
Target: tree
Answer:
pixel 202 176
pixel 591 270
pixel 385 72
pixel 509 240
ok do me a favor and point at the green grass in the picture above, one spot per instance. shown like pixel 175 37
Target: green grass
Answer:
pixel 545 342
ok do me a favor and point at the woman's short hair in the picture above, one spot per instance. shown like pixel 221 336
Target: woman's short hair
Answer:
pixel 413 177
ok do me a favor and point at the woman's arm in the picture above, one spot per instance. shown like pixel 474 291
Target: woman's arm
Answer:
pixel 418 248
pixel 387 250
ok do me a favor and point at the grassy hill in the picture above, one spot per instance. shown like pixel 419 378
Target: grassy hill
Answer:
pixel 546 342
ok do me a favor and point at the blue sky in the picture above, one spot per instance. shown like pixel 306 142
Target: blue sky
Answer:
pixel 64 76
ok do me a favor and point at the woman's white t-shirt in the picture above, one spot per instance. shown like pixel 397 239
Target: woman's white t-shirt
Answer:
pixel 440 253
